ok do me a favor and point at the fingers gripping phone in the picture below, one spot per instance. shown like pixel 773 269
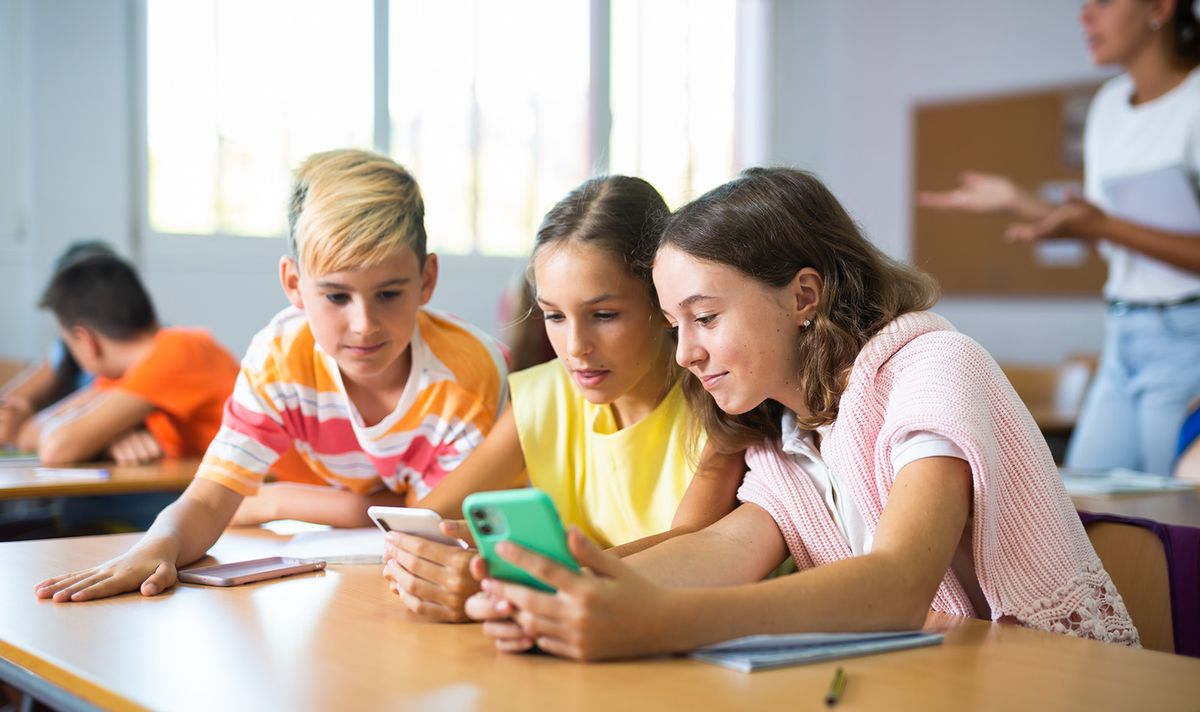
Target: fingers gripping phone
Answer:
pixel 526 517
pixel 241 572
pixel 411 520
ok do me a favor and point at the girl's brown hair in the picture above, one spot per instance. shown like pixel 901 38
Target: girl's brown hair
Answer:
pixel 621 215
pixel 769 223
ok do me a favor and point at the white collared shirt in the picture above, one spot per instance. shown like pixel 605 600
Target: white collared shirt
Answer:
pixel 835 491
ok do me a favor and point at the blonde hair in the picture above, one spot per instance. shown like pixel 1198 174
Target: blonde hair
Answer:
pixel 769 223
pixel 352 209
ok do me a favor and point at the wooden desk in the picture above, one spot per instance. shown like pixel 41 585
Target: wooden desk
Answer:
pixel 1166 507
pixel 339 639
pixel 165 476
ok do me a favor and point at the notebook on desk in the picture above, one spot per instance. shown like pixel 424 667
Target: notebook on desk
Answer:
pixel 1118 480
pixel 18 458
pixel 763 652
pixel 337 546
pixel 23 476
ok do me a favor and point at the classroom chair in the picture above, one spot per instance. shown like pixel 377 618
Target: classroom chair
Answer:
pixel 1053 393
pixel 1156 567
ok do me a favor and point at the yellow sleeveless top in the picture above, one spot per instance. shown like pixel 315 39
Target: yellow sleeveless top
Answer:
pixel 616 485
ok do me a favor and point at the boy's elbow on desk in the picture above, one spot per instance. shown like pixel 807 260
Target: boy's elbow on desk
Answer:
pixel 53 449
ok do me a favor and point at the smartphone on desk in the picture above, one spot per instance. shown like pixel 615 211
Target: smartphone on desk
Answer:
pixel 420 522
pixel 526 517
pixel 241 572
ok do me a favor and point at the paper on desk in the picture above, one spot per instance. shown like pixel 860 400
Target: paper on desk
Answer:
pixel 338 546
pixel 39 475
pixel 763 652
pixel 1119 480
pixel 18 458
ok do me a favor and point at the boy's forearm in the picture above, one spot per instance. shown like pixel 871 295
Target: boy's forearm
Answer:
pixel 187 528
pixel 324 505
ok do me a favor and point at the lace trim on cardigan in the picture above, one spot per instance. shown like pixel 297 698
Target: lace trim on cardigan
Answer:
pixel 1087 606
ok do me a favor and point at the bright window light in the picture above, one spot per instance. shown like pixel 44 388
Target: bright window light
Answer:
pixel 238 93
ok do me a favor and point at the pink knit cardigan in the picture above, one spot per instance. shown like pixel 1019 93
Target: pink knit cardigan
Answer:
pixel 1033 559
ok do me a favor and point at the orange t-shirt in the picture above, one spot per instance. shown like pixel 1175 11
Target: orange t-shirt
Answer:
pixel 186 376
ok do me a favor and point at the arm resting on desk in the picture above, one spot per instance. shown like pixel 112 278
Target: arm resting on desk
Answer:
pixel 181 534
pixel 312 503
pixel 626 609
pixel 86 428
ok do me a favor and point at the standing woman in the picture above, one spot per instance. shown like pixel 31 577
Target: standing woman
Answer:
pixel 1145 122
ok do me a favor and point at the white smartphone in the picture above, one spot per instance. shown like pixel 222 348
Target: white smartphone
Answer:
pixel 411 520
pixel 240 572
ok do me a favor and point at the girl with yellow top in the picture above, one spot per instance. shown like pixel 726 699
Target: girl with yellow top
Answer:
pixel 603 428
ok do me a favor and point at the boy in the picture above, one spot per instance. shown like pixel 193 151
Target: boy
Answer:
pixel 159 391
pixel 372 390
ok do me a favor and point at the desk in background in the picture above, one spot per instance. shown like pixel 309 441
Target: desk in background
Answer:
pixel 339 639
pixel 1181 508
pixel 163 476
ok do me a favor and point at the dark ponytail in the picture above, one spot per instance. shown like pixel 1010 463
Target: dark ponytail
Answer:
pixel 1186 32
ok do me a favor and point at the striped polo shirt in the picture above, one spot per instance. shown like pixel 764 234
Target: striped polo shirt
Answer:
pixel 290 393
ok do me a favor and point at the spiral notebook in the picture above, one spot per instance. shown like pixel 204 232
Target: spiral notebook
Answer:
pixel 763 652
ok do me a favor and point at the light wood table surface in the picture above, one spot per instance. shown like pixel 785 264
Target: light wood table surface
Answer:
pixel 339 640
pixel 174 475
pixel 1182 508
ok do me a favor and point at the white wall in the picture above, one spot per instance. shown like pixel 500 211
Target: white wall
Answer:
pixel 846 76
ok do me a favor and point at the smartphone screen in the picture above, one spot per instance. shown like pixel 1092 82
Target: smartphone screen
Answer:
pixel 240 572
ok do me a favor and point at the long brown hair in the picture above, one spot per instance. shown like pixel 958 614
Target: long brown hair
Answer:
pixel 769 223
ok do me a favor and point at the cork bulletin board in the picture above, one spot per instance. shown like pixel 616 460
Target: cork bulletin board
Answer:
pixel 1035 138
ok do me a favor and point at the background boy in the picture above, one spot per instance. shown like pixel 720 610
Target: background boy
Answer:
pixel 159 391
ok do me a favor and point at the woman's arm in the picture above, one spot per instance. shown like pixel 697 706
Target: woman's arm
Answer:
pixel 987 193
pixel 622 613
pixel 710 495
pixel 1079 218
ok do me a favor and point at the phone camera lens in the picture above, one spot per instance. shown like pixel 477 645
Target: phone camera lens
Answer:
pixel 485 528
pixel 479 514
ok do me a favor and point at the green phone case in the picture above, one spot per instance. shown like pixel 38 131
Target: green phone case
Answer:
pixel 526 517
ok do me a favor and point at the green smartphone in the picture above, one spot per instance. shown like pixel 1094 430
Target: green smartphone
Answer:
pixel 526 517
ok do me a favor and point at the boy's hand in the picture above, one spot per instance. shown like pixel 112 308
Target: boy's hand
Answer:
pixel 14 411
pixel 149 568
pixel 137 447
pixel 432 579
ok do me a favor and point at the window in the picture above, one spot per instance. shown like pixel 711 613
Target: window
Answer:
pixel 492 105
pixel 672 94
pixel 12 189
pixel 498 132
pixel 238 93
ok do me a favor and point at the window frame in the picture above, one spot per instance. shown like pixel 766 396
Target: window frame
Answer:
pixel 165 251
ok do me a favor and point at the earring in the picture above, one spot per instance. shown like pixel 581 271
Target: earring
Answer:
pixel 806 323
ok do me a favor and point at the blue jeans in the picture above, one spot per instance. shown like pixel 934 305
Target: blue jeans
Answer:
pixel 1149 372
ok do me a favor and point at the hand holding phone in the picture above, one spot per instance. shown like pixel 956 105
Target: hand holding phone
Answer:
pixel 525 517
pixel 424 523
pixel 247 571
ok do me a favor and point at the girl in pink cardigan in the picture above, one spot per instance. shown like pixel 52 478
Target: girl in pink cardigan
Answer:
pixel 885 452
